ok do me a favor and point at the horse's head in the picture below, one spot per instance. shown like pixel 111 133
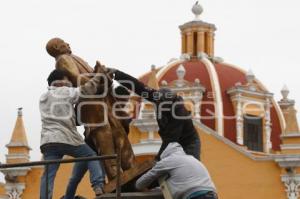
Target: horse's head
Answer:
pixel 101 69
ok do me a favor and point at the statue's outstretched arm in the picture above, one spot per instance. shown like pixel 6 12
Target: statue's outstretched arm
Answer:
pixel 136 86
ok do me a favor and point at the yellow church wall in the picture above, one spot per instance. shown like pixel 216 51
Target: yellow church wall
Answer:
pixel 20 150
pixel 291 140
pixel 290 116
pixel 22 179
pixel 13 161
pixel 290 151
pixel 144 136
pixel 32 183
pixel 2 190
pixel 237 176
pixel 60 184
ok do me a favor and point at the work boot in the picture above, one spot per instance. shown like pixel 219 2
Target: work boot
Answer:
pixel 76 197
pixel 98 191
pixel 79 197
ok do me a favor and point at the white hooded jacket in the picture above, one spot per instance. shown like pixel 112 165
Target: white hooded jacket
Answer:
pixel 58 115
pixel 186 174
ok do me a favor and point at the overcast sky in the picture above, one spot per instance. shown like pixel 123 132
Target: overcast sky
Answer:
pixel 132 35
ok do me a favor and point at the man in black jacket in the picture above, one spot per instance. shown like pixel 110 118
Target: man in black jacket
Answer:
pixel 174 121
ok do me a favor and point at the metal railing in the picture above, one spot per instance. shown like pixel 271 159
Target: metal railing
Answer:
pixel 46 163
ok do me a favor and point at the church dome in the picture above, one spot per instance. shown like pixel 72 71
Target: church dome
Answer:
pixel 230 94
pixel 217 110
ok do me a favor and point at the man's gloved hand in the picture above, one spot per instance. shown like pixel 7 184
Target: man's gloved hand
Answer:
pixel 142 190
pixel 110 72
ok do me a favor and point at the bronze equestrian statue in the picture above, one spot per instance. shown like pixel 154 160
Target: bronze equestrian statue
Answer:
pixel 107 138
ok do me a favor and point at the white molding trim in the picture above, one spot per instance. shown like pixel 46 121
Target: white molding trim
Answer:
pixel 14 190
pixel 292 183
pixel 240 89
pixel 274 103
pixel 215 84
pixel 18 171
pixel 146 148
pixel 249 100
pixel 289 146
pixel 267 157
pixel 17 156
pixel 200 88
pixel 288 160
pixel 205 128
pixel 166 68
pixel 290 135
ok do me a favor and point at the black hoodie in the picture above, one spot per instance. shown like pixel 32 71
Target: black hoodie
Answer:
pixel 171 128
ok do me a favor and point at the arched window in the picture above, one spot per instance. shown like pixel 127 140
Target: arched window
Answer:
pixel 253 132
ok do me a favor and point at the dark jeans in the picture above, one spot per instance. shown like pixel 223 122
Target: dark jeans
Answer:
pixel 57 151
pixel 209 195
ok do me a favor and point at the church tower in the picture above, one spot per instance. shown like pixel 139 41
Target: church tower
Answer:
pixel 18 152
pixel 18 148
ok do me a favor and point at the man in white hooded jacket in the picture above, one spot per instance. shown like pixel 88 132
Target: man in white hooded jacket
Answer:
pixel 188 178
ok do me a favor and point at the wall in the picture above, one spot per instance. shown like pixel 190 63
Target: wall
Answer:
pixel 61 181
pixel 2 190
pixel 236 175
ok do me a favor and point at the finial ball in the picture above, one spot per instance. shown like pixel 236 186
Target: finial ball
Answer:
pixel 197 9
pixel 20 112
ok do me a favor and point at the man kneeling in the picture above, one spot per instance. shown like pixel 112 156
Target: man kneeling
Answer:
pixel 187 177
